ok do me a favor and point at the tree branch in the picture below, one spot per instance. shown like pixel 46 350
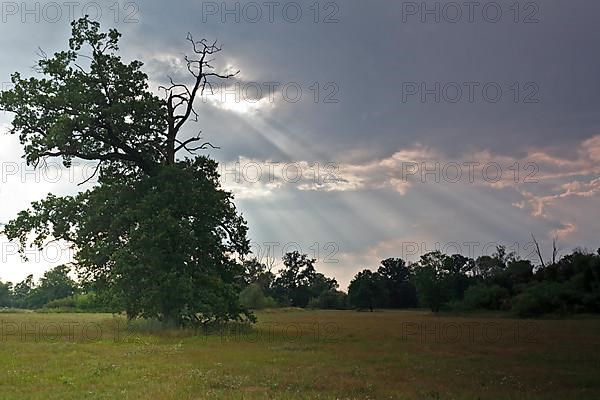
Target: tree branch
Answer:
pixel 537 249
pixel 180 95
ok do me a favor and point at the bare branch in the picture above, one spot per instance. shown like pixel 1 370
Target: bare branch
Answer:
pixel 181 97
pixel 184 145
pixel 539 253
pixel 554 249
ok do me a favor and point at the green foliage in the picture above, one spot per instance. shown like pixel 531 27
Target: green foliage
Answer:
pixel 503 282
pixel 570 285
pixel 55 284
pixel 256 272
pixel 104 112
pixel 253 298
pixel 551 297
pixel 430 278
pixel 397 276
pixel 432 289
pixel 543 298
pixel 157 236
pixel 520 272
pixel 330 300
pixel 181 231
pixel 490 297
pixel 22 291
pixel 367 290
pixel 298 281
pixel 6 299
pixel 87 302
pixel 487 267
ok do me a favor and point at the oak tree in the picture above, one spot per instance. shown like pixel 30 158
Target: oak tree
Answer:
pixel 156 233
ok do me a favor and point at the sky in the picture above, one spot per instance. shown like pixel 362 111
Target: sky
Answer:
pixel 357 131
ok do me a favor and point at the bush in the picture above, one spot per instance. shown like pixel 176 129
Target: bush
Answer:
pixel 67 302
pixel 531 304
pixel 591 302
pixel 482 296
pixel 83 302
pixel 329 300
pixel 313 303
pixel 545 298
pixel 254 298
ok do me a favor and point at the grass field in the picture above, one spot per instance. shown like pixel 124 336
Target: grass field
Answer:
pixel 301 355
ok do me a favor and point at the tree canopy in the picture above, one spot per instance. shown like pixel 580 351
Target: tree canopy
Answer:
pixel 157 232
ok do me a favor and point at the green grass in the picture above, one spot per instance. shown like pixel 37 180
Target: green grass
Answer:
pixel 301 355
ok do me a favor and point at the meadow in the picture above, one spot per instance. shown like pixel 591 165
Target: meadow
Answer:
pixel 298 354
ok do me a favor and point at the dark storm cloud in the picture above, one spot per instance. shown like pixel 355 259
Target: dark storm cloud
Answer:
pixel 374 57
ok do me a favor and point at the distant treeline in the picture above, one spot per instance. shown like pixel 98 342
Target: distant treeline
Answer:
pixel 55 290
pixel 440 282
pixel 500 282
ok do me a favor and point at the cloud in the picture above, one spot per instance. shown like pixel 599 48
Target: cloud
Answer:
pixel 564 231
pixel 374 150
pixel 261 177
pixel 539 185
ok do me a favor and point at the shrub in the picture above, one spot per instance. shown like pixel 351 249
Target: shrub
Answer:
pixel 544 298
pixel 482 296
pixel 67 302
pixel 531 304
pixel 83 302
pixel 254 298
pixel 591 302
pixel 313 303
pixel 329 300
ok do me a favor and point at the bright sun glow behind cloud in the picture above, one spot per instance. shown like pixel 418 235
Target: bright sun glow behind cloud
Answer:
pixel 229 103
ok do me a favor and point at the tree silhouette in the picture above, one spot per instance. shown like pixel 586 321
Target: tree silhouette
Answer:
pixel 400 289
pixel 367 290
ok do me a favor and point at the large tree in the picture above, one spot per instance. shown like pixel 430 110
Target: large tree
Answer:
pixel 431 280
pixel 397 278
pixel 367 290
pixel 157 232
